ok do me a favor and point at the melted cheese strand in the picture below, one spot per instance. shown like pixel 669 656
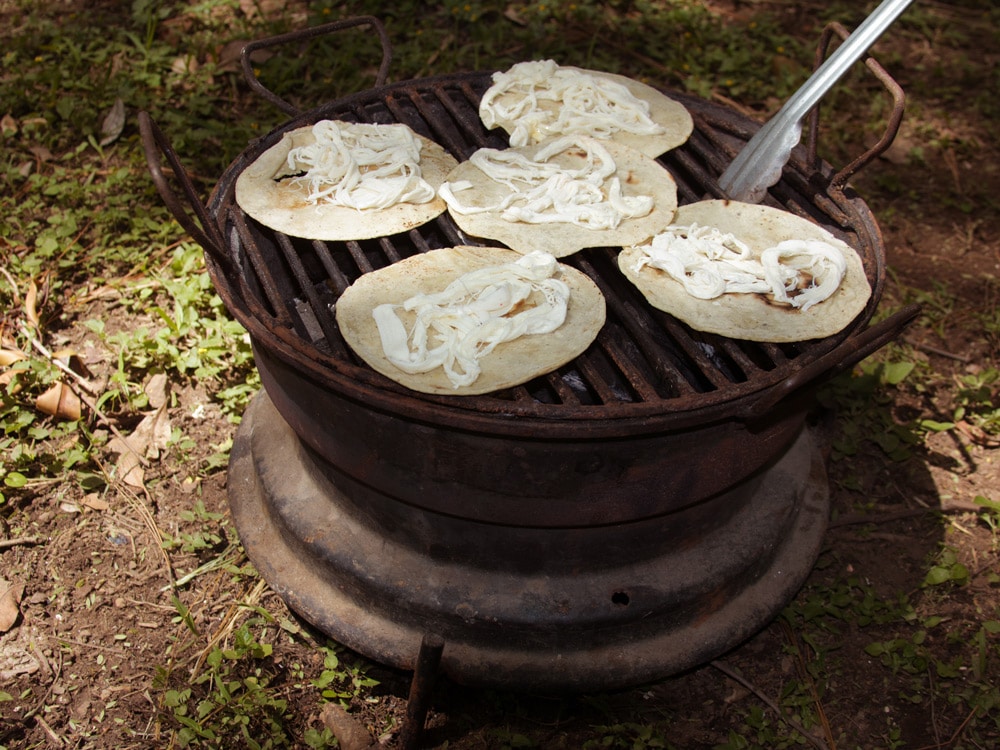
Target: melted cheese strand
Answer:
pixel 542 192
pixel 361 165
pixel 456 327
pixel 588 105
pixel 821 265
pixel 710 263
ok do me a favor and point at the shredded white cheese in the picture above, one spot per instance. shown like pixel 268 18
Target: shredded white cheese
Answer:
pixel 587 104
pixel 710 263
pixel 456 327
pixel 543 192
pixel 360 165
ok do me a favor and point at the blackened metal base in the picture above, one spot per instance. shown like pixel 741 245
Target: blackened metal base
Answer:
pixel 601 613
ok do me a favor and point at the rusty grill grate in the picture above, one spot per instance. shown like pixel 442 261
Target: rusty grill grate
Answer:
pixel 644 362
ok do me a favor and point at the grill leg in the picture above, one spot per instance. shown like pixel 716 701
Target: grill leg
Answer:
pixel 418 702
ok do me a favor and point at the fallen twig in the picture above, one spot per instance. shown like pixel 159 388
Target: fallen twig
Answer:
pixel 853 519
pixel 228 624
pixel 60 742
pixel 95 646
pixel 215 563
pixel 733 675
pixel 954 737
pixel 53 359
pixel 934 350
pixel 804 675
pixel 145 514
pixel 18 541
pixel 955 506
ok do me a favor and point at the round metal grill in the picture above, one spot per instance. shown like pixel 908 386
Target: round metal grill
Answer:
pixel 644 367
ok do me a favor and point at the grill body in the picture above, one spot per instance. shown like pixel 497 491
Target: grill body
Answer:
pixel 640 510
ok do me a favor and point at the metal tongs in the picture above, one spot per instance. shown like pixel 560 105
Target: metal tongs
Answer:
pixel 759 164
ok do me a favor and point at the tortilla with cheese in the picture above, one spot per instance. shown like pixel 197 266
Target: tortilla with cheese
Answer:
pixel 755 316
pixel 424 279
pixel 561 196
pixel 537 100
pixel 356 185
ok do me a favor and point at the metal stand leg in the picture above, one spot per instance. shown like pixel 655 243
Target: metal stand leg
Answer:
pixel 418 702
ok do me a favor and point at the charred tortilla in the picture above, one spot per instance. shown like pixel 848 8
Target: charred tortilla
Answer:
pixel 267 191
pixel 753 317
pixel 510 363
pixel 637 174
pixel 673 118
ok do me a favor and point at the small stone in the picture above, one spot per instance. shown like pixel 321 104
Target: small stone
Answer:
pixel 350 733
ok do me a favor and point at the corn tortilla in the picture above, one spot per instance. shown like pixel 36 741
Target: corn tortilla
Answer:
pixel 282 204
pixel 670 114
pixel 510 363
pixel 639 175
pixel 753 317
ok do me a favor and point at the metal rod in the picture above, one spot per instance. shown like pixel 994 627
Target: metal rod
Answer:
pixel 759 164
pixel 418 703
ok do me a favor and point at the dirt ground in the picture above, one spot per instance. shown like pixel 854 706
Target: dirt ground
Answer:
pixel 98 632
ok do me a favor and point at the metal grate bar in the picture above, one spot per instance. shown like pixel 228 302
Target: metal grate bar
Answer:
pixel 358 254
pixel 262 270
pixel 565 394
pixel 338 279
pixel 603 385
pixel 672 357
pixel 307 288
pixel 390 250
pixel 638 380
pixel 711 370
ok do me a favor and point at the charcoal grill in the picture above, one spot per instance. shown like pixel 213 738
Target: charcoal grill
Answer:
pixel 632 514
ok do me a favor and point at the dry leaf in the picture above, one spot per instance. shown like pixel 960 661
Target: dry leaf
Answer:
pixel 10 356
pixel 230 55
pixel 150 436
pixel 6 377
pixel 59 401
pixel 153 432
pixel 114 123
pixel 41 153
pixel 189 485
pixel 30 300
pixel 10 598
pixel 8 125
pixel 129 467
pixel 96 502
pixel 156 390
pixel 184 64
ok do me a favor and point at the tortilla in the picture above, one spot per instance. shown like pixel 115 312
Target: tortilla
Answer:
pixel 282 204
pixel 674 118
pixel 510 363
pixel 753 317
pixel 637 173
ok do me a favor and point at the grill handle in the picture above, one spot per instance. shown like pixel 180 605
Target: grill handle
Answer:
pixel 851 351
pixel 304 35
pixel 760 163
pixel 893 122
pixel 205 231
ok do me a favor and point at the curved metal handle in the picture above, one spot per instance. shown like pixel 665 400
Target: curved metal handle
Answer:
pixel 851 351
pixel 205 232
pixel 759 164
pixel 892 126
pixel 305 34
